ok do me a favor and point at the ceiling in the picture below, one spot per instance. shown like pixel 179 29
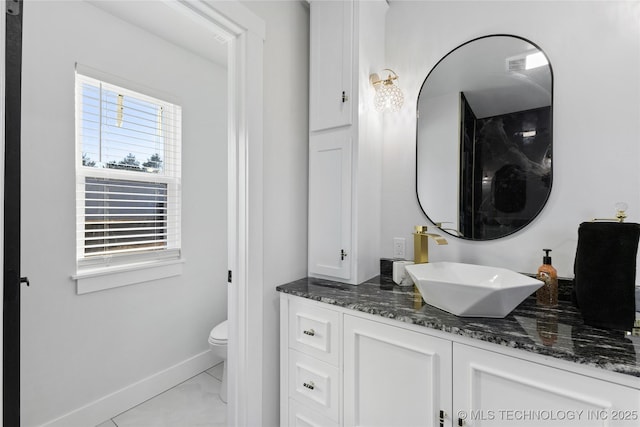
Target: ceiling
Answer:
pixel 171 24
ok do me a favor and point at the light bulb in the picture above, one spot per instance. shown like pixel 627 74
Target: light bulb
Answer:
pixel 388 97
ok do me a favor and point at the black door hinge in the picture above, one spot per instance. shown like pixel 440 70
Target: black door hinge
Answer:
pixel 12 282
pixel 14 7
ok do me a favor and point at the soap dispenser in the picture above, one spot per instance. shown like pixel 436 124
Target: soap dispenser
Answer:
pixel 548 293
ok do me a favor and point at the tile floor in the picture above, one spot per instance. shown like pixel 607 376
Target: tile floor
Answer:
pixel 193 403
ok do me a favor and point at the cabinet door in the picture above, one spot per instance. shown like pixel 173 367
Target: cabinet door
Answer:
pixel 331 38
pixel 330 204
pixel 494 390
pixel 394 376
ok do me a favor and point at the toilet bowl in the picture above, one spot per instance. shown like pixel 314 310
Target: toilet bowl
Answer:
pixel 218 345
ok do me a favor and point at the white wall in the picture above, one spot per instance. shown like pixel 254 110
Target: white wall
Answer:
pixel 368 142
pixel 77 349
pixel 286 138
pixel 594 49
pixel 439 124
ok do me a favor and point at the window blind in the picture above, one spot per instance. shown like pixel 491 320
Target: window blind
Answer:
pixel 128 174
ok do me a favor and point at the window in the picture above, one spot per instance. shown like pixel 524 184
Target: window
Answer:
pixel 128 176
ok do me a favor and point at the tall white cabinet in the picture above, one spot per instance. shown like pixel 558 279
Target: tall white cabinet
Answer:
pixel 345 139
pixel 331 64
pixel 330 204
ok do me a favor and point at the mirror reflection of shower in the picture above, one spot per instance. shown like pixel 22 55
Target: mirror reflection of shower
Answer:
pixel 505 169
pixel 484 137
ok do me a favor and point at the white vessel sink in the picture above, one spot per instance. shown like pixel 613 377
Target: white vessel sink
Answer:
pixel 471 290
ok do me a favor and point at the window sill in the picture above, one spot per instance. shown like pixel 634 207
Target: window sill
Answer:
pixel 98 279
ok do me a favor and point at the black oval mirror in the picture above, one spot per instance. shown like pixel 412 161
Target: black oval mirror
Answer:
pixel 484 138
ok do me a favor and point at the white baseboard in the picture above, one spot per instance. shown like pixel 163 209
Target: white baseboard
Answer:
pixel 119 401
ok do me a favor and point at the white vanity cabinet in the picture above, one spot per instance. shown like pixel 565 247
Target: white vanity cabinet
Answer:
pixel 371 371
pixel 310 350
pixel 495 390
pixel 393 376
pixel 345 139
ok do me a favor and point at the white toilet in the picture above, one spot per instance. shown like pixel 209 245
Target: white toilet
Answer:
pixel 218 344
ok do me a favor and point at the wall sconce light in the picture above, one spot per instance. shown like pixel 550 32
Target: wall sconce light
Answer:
pixel 388 95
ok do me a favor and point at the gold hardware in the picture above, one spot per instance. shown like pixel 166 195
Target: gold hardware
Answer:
pixel 310 385
pixel 309 332
pixel 636 328
pixel 451 230
pixel 421 243
pixel 621 207
pixel 375 79
pixel 418 302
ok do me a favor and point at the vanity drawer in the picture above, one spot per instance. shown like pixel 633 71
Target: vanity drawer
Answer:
pixel 301 416
pixel 314 383
pixel 314 330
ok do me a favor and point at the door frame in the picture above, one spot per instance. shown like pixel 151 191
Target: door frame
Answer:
pixel 11 29
pixel 3 31
pixel 245 33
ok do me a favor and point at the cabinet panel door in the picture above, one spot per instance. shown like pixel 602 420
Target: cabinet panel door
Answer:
pixel 495 390
pixel 393 376
pixel 330 204
pixel 331 38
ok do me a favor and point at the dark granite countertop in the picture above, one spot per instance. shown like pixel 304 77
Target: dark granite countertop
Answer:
pixel 557 332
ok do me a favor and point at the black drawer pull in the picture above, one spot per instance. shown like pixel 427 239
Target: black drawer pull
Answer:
pixel 442 415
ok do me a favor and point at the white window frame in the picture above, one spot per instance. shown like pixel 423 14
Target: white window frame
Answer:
pixel 95 273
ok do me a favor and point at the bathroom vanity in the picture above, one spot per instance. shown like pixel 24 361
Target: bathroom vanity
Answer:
pixel 375 354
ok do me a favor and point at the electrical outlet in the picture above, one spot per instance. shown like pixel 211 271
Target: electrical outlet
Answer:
pixel 399 245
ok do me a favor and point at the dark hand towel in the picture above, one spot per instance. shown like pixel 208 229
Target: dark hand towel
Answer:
pixel 605 273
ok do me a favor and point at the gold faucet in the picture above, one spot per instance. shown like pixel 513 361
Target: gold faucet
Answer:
pixel 421 243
